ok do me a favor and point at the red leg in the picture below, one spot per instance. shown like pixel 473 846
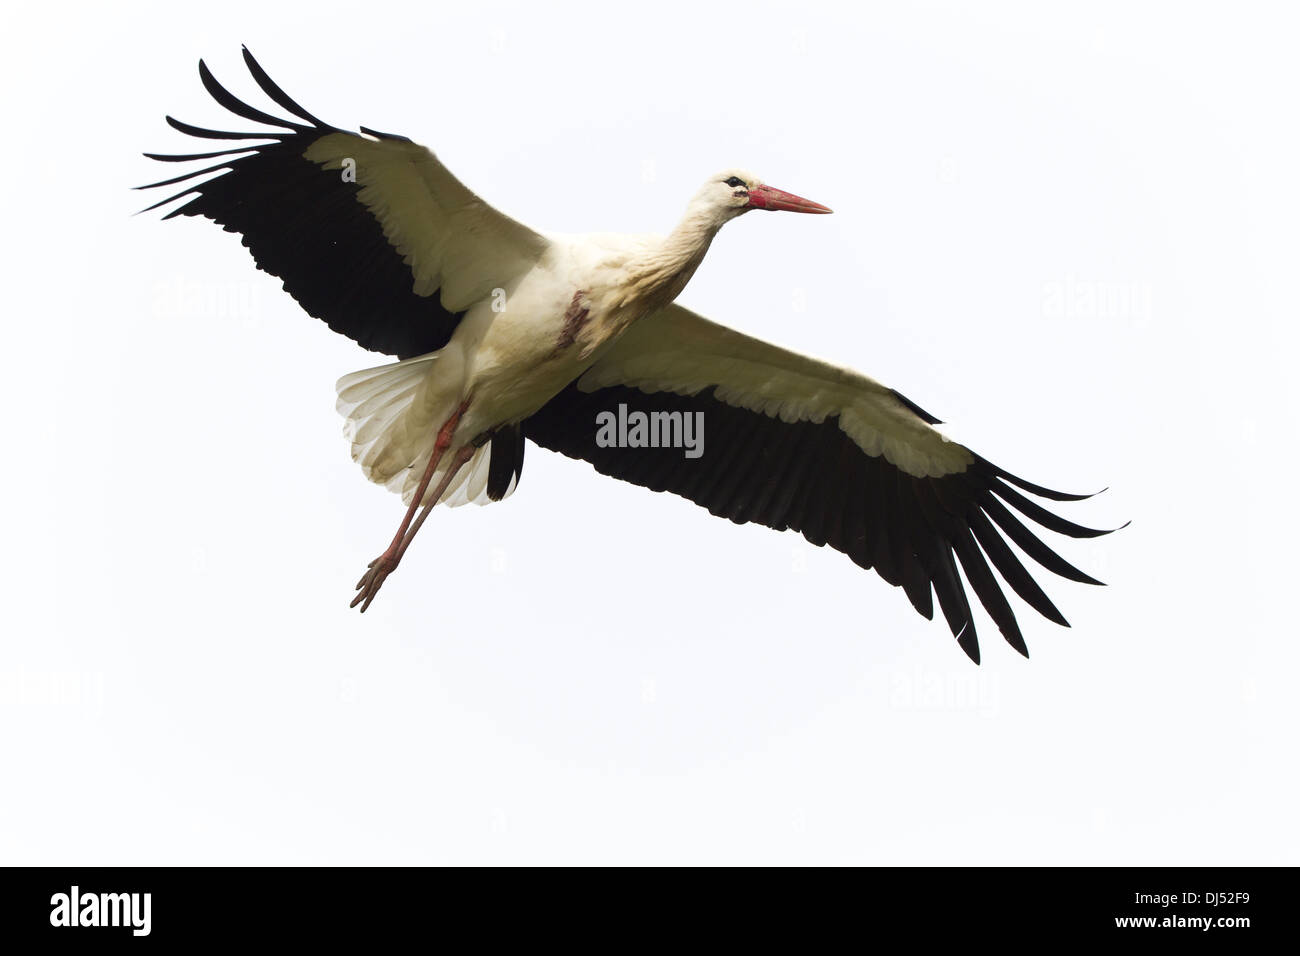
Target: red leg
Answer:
pixel 462 457
pixel 386 563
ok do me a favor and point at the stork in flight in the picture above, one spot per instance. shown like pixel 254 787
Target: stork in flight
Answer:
pixel 505 334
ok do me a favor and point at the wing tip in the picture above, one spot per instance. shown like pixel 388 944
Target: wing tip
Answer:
pixel 1041 490
pixel 969 642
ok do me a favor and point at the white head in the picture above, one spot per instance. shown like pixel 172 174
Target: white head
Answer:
pixel 732 192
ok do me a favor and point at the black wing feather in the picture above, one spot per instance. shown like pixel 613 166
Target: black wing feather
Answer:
pixel 239 107
pixel 271 89
pixel 814 478
pixel 506 461
pixel 306 225
pixel 186 157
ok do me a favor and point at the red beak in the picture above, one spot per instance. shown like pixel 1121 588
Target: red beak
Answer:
pixel 766 197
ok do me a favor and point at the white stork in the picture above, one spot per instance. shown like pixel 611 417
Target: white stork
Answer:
pixel 505 334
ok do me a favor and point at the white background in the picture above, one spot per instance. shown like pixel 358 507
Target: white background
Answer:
pixel 1071 233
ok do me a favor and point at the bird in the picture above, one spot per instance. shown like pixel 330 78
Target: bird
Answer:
pixel 504 335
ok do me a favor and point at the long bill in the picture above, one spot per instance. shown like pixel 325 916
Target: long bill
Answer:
pixel 769 197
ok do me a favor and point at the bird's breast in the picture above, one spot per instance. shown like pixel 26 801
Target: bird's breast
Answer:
pixel 542 334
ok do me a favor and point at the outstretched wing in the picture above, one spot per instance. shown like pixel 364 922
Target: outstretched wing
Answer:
pixel 793 442
pixel 369 231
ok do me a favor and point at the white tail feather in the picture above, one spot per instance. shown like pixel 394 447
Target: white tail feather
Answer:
pixel 391 444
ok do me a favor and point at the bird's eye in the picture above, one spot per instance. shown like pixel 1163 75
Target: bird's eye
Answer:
pixel 734 181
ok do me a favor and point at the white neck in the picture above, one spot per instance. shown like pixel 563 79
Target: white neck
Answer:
pixel 659 275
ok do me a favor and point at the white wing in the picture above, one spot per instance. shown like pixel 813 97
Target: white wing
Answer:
pixel 676 350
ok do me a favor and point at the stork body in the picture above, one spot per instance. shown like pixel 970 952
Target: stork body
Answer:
pixel 504 334
pixel 512 353
pixel 518 349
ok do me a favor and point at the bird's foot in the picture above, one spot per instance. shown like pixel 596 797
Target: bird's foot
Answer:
pixel 373 580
